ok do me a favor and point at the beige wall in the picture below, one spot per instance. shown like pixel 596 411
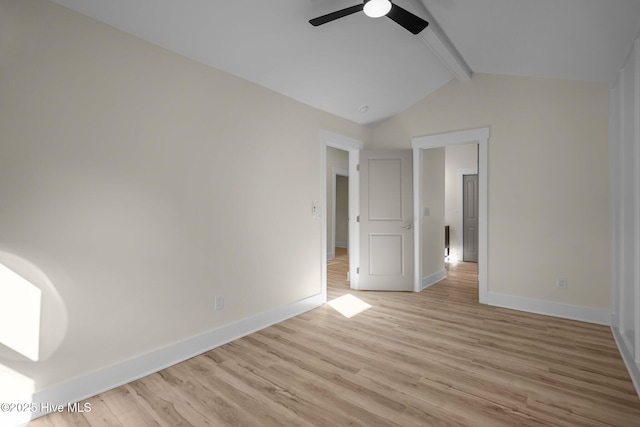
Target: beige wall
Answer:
pixel 548 178
pixel 144 184
pixel 433 198
pixel 457 157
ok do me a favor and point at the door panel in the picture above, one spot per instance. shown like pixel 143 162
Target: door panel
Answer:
pixel 385 189
pixel 386 254
pixel 470 218
pixel 386 213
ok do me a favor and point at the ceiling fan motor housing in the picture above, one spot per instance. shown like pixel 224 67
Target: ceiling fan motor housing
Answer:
pixel 376 8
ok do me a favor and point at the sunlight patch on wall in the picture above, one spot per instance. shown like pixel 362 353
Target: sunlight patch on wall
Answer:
pixel 20 303
pixel 33 315
pixel 348 305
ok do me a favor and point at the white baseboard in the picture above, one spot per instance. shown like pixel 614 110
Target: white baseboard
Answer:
pixel 331 255
pixel 600 316
pixel 627 357
pixel 434 278
pixel 342 245
pixel 89 385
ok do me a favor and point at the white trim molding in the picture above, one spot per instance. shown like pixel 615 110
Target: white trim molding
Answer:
pixel 89 385
pixel 417 219
pixel 434 278
pixel 627 358
pixel 341 142
pixel 600 316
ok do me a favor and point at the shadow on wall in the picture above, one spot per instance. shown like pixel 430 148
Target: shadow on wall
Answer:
pixel 33 324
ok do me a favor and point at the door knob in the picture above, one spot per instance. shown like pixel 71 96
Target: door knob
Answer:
pixel 408 227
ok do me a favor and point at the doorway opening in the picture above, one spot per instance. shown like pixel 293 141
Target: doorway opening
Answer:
pixel 461 158
pixel 480 137
pixel 328 142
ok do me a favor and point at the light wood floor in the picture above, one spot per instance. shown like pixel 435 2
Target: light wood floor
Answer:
pixel 433 358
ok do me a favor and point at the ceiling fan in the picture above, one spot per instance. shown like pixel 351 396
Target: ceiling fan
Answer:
pixel 377 9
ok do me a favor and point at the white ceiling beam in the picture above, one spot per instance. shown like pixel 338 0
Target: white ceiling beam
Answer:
pixel 440 44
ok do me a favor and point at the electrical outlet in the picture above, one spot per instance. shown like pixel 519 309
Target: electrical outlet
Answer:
pixel 219 302
pixel 562 283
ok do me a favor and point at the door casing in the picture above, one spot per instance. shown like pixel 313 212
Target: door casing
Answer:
pixel 478 136
pixel 353 147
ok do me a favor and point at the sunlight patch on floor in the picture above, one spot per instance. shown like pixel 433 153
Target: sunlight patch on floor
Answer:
pixel 16 392
pixel 348 305
pixel 20 303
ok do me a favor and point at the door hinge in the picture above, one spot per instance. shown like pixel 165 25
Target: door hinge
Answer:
pixel 357 270
pixel 358 168
pixel 358 218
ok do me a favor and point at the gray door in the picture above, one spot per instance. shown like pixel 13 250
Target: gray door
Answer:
pixel 386 220
pixel 341 223
pixel 470 218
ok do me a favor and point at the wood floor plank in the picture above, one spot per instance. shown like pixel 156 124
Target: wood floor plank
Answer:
pixel 434 358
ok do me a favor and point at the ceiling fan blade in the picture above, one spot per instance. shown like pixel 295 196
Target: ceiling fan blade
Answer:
pixel 335 15
pixel 408 20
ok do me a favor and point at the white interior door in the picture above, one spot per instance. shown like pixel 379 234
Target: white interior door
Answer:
pixel 386 220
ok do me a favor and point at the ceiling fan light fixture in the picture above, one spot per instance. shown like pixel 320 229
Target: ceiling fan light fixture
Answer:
pixel 377 8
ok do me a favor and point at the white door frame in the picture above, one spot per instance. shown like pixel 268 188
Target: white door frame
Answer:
pixel 353 146
pixel 478 136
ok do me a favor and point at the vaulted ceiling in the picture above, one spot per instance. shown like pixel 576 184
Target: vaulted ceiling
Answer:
pixel 357 61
